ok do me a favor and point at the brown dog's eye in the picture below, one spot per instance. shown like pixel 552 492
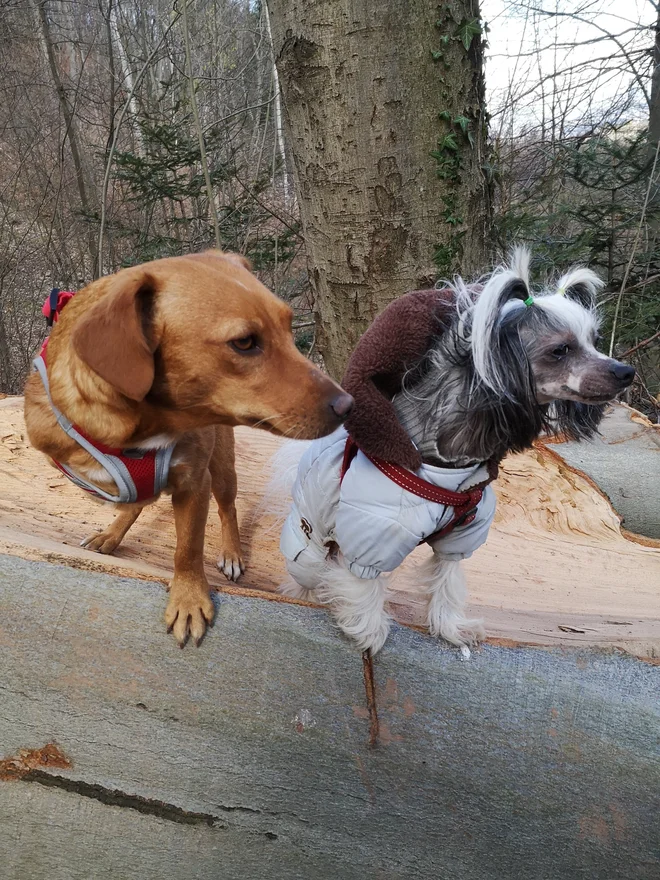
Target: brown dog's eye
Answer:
pixel 561 351
pixel 245 343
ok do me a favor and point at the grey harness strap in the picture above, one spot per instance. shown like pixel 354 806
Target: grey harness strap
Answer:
pixel 116 468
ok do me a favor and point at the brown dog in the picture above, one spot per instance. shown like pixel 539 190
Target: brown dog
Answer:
pixel 178 350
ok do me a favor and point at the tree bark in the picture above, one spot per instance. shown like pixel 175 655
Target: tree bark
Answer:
pixel 384 104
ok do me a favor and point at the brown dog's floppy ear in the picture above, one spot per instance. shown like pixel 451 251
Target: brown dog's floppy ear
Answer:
pixel 239 260
pixel 112 337
pixel 230 257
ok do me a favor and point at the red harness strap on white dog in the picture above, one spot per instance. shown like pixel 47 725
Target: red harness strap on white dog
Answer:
pixel 139 474
pixel 464 503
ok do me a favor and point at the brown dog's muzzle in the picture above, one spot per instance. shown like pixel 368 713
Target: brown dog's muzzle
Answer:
pixel 342 406
pixel 310 402
pixel 335 407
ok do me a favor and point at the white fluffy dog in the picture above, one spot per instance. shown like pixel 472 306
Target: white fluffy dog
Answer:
pixel 446 383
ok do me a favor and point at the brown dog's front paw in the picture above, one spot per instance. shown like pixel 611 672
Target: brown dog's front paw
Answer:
pixel 231 565
pixel 189 610
pixel 102 542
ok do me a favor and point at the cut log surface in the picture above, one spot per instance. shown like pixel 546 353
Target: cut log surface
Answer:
pixel 624 460
pixel 557 568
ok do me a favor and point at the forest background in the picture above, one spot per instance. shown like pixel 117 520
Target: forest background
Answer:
pixel 351 150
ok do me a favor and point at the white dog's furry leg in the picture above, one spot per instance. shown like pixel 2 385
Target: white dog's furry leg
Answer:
pixel 357 604
pixel 443 581
pixel 294 591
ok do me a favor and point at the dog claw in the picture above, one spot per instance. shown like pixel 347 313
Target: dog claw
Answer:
pixel 187 614
pixel 231 567
pixel 100 542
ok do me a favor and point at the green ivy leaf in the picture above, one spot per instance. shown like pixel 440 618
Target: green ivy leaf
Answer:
pixel 445 114
pixel 449 143
pixel 463 122
pixel 468 30
pixel 437 55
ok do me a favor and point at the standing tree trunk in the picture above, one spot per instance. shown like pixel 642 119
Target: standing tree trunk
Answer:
pixel 384 105
pixel 279 127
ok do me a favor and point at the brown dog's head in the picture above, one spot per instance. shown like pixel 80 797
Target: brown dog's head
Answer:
pixel 201 340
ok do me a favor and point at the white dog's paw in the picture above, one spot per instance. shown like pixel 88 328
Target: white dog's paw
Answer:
pixel 459 631
pixel 368 632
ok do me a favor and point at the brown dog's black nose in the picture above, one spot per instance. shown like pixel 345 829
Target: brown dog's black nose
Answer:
pixel 342 405
pixel 622 372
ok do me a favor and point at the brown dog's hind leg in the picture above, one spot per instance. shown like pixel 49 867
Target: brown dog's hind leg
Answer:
pixel 190 606
pixel 223 485
pixel 109 539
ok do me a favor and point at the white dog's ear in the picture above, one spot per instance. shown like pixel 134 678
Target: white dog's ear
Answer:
pixel 581 285
pixel 519 261
pixel 504 286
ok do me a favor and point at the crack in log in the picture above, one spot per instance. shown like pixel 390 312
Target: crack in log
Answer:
pixel 370 691
pixel 116 798
pixel 25 766
pixel 147 806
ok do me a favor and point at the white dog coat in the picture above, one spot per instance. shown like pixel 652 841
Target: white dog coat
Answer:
pixel 374 521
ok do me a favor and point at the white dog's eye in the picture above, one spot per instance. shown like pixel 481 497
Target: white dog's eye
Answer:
pixel 561 351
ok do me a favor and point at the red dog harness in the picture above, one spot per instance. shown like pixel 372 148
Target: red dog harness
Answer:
pixel 465 503
pixel 139 474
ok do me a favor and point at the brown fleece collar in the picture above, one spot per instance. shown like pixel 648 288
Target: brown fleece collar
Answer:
pixel 396 341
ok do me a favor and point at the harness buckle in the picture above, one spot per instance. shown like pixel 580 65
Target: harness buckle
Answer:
pixel 53 299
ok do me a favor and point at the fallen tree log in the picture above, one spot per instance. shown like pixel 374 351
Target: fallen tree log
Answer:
pixel 556 570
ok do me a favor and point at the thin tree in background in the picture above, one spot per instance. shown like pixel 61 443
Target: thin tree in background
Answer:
pixel 71 135
pixel 198 126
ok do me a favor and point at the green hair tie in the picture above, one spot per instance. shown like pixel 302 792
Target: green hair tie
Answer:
pixel 529 301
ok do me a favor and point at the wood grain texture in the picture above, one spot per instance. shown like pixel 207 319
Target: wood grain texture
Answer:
pixel 556 569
